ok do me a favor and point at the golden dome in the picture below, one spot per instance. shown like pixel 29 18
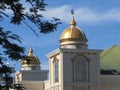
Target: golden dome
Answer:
pixel 30 59
pixel 73 33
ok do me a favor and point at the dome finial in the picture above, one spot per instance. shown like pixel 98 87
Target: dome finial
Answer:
pixel 73 22
pixel 30 51
pixel 72 12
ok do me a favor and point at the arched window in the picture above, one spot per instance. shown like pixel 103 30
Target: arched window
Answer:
pixel 56 71
pixel 81 69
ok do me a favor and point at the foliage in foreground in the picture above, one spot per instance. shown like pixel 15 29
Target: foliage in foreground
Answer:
pixel 20 14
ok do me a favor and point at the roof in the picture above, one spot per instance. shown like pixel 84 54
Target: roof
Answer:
pixel 110 60
pixel 30 59
pixel 73 33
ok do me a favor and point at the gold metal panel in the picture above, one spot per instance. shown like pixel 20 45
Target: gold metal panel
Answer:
pixel 75 33
pixel 73 22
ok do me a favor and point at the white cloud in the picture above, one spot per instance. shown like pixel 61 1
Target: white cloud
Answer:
pixel 83 15
pixel 60 12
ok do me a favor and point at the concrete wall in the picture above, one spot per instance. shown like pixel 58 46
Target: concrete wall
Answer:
pixel 110 82
pixel 66 57
pixel 52 82
pixel 47 85
pixel 93 73
pixel 28 75
pixel 33 85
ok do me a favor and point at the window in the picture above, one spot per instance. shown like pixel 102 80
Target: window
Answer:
pixel 56 71
pixel 81 69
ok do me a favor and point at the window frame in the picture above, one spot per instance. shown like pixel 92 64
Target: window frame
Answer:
pixel 77 59
pixel 56 61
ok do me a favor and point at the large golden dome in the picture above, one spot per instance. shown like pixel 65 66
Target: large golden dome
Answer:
pixel 30 59
pixel 73 33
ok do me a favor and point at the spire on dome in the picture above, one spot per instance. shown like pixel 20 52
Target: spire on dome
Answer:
pixel 30 52
pixel 73 22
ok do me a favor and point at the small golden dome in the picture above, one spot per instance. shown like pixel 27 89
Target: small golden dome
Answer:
pixel 73 33
pixel 30 59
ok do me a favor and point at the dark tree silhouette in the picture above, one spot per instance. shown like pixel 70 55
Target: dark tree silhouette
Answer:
pixel 31 13
pixel 20 14
pixel 18 87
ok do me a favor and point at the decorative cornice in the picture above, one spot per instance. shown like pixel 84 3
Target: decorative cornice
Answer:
pixel 53 53
pixel 79 51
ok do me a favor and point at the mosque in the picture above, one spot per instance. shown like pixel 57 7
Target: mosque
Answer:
pixel 72 66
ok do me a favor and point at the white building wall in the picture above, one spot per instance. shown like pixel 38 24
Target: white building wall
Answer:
pixel 110 82
pixel 94 69
pixel 54 85
pixel 28 75
pixel 47 85
pixel 33 85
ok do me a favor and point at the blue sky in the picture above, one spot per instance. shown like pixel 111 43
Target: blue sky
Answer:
pixel 99 19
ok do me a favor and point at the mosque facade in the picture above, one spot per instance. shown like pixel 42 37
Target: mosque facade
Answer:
pixel 71 67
